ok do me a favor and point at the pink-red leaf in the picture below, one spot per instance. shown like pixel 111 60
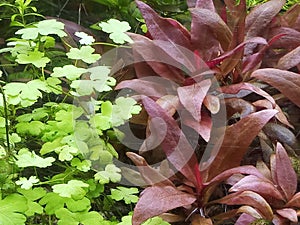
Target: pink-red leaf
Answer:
pixel 244 219
pixel 289 214
pixel 151 176
pixel 286 176
pixel 175 145
pixel 288 83
pixel 236 141
pixel 290 60
pixel 207 30
pixel 259 18
pixel 295 201
pixel 236 88
pixel 156 200
pixel 161 29
pixel 249 198
pixel 192 96
pixel 262 186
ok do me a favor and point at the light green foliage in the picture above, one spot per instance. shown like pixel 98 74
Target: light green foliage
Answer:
pixel 33 128
pixel 123 110
pixel 126 194
pixel 69 71
pixel 66 152
pixel 111 173
pixel 44 27
pixel 86 218
pixel 117 30
pixel 84 165
pixel 25 158
pixel 32 196
pixel 53 201
pixel 85 38
pixel 85 53
pixel 27 183
pixel 73 189
pixel 25 94
pixel 12 209
pixel 127 220
pixel 36 58
pixel 100 81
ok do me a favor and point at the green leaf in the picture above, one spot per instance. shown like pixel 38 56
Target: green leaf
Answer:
pixel 111 173
pixel 156 221
pixel 73 189
pixel 36 58
pixel 50 146
pixel 66 152
pixel 32 195
pixel 51 26
pixel 69 71
pixel 85 53
pixel 25 158
pixel 117 30
pixel 126 194
pixel 27 183
pixel 12 209
pixel 33 128
pixel 29 33
pixel 83 166
pixel 86 218
pixel 123 110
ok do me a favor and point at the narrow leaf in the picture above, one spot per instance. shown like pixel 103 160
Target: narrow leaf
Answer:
pixel 289 214
pixel 288 83
pixel 295 201
pixel 232 150
pixel 261 186
pixel 249 198
pixel 156 200
pixel 191 97
pixel 175 145
pixel 289 60
pixel 286 176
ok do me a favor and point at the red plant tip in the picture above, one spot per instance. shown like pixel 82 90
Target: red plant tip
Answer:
pixel 199 186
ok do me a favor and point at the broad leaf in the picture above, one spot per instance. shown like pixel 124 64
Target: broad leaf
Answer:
pixel 157 199
pixel 285 174
pixel 25 158
pixel 286 82
pixel 73 189
pixel 231 152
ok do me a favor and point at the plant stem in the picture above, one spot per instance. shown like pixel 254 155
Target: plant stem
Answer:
pixel 6 119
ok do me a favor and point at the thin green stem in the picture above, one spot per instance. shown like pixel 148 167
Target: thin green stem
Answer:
pixel 112 45
pixel 6 119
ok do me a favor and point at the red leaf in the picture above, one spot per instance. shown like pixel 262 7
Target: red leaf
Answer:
pixel 250 211
pixel 151 176
pixel 156 200
pixel 175 145
pixel 249 198
pixel 244 219
pixel 259 18
pixel 290 41
pixel 288 83
pixel 208 30
pixel 289 60
pixel 203 128
pixel 286 176
pixel 161 29
pixel 236 88
pixel 236 141
pixel 249 170
pixel 262 186
pixel 192 96
pixel 149 87
pixel 289 214
pixel 162 63
pixel 295 201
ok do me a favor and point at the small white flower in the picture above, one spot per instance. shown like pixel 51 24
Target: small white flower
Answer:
pixel 27 184
pixel 85 38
